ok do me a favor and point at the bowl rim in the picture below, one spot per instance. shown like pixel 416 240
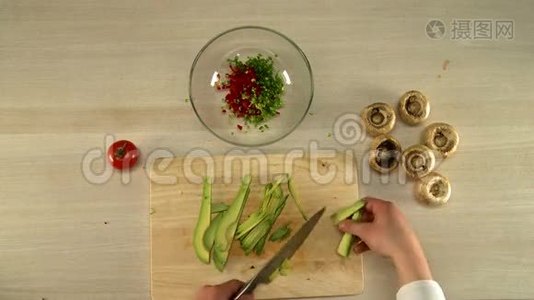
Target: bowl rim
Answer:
pixel 305 59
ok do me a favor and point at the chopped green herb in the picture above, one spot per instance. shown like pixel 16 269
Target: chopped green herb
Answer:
pixel 255 89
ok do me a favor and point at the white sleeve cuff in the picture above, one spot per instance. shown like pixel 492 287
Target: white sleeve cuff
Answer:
pixel 421 290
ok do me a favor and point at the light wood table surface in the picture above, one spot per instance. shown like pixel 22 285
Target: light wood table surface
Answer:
pixel 72 72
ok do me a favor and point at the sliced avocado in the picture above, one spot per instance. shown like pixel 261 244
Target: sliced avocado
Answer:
pixel 260 246
pixel 253 233
pixel 346 212
pixel 204 218
pixel 249 224
pixel 219 260
pixel 295 196
pixel 281 233
pixel 283 270
pixel 228 226
pixel 249 242
pixel 345 244
pixel 218 207
pixel 285 267
pixel 282 200
pixel 209 235
pixel 275 274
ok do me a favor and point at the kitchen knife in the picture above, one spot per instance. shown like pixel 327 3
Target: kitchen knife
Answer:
pixel 284 253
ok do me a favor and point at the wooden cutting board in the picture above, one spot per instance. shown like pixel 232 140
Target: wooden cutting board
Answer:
pixel 317 270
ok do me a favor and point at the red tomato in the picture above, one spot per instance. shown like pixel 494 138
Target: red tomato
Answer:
pixel 123 154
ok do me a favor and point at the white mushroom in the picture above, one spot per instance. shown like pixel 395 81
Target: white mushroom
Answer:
pixel 414 107
pixel 418 161
pixel 385 153
pixel 379 118
pixel 433 189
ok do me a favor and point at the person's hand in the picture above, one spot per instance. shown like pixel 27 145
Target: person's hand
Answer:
pixel 385 230
pixel 223 291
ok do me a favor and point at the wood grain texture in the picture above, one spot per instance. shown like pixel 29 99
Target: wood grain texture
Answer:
pixel 72 71
pixel 175 210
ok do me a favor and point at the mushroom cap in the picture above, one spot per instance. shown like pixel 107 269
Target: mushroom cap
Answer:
pixel 379 118
pixel 442 138
pixel 385 153
pixel 433 189
pixel 414 107
pixel 418 161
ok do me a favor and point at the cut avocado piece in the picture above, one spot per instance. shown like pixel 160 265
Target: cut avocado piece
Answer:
pixel 228 226
pixel 345 244
pixel 218 207
pixel 347 212
pixel 281 233
pixel 285 267
pixel 295 196
pixel 219 260
pixel 253 238
pixel 253 220
pixel 209 235
pixel 254 231
pixel 283 270
pixel 271 219
pixel 203 222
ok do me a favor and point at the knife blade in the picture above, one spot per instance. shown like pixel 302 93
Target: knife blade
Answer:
pixel 284 253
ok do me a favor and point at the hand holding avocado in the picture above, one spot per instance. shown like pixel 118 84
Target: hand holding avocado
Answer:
pixel 386 231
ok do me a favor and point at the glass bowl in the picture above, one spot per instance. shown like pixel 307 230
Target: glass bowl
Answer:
pixel 211 65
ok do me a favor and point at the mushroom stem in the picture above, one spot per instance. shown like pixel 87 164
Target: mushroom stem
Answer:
pixel 418 161
pixel 414 107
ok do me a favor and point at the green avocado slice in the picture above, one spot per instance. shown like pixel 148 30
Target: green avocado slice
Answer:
pixel 209 235
pixel 347 212
pixel 203 222
pixel 347 240
pixel 228 225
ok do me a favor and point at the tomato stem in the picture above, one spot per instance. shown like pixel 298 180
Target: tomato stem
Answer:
pixel 121 152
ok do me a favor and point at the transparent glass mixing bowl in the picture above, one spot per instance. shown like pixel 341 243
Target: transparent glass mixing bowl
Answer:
pixel 212 60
